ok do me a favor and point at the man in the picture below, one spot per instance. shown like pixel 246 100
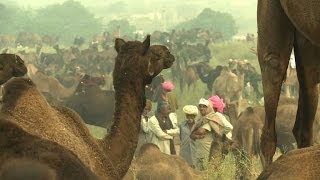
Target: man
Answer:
pixel 187 146
pixel 208 134
pixel 202 136
pixel 162 129
pixel 167 95
pixel 218 107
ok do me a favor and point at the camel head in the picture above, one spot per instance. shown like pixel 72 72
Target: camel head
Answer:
pixel 148 62
pixel 11 65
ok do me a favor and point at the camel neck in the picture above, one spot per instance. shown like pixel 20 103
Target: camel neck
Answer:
pixel 123 138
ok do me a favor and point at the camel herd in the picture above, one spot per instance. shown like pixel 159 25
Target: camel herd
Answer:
pixel 57 137
pixel 52 141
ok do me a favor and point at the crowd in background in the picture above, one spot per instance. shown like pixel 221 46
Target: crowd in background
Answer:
pixel 203 125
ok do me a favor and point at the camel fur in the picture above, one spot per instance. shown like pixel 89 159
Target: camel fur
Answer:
pixel 151 163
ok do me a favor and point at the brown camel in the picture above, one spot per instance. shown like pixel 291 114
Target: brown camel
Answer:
pixel 50 85
pixel 228 85
pixel 11 65
pixel 248 129
pixel 246 135
pixel 18 169
pixel 48 158
pixel 151 163
pixel 283 25
pixel 189 77
pixel 136 64
pixel 295 165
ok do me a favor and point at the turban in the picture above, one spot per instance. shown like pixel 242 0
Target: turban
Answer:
pixel 217 103
pixel 204 102
pixel 190 109
pixel 167 85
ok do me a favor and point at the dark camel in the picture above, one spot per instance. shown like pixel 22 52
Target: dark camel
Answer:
pixel 211 76
pixel 283 25
pixel 48 157
pixel 24 169
pixel 136 64
pixel 11 65
pixel 94 105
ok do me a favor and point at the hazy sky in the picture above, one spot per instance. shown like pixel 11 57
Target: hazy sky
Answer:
pixel 244 11
pixel 226 5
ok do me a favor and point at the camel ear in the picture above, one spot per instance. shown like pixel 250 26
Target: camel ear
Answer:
pixel 146 45
pixel 118 43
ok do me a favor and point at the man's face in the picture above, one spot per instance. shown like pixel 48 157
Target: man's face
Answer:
pixel 190 118
pixel 202 109
pixel 146 110
pixel 165 111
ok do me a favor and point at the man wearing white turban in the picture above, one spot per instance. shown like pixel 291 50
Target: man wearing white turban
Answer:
pixel 187 146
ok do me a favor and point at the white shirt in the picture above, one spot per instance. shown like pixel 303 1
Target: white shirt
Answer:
pixel 227 126
pixel 159 137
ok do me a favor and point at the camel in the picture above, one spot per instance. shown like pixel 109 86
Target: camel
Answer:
pixel 94 105
pixel 211 76
pixel 151 163
pixel 189 77
pixel 246 135
pixel 18 150
pixel 248 129
pixel 50 85
pixel 282 26
pixel 11 65
pixel 27 170
pixel 228 85
pixel 297 164
pixel 136 64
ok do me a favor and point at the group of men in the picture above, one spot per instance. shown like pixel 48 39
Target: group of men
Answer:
pixel 196 133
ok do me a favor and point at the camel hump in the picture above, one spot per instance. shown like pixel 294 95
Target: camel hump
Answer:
pixel 148 148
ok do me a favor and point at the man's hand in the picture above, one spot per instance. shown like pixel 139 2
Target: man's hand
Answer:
pixel 194 136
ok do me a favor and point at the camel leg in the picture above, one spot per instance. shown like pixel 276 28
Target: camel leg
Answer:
pixel 272 78
pixel 307 107
pixel 307 74
pixel 275 42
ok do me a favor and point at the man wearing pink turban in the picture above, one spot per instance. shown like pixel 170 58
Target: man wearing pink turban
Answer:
pixel 168 96
pixel 168 86
pixel 217 103
pixel 218 106
pixel 210 127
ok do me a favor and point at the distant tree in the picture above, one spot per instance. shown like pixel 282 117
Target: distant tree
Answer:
pixel 63 20
pixel 126 29
pixel 13 19
pixel 213 21
pixel 66 20
pixel 117 7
